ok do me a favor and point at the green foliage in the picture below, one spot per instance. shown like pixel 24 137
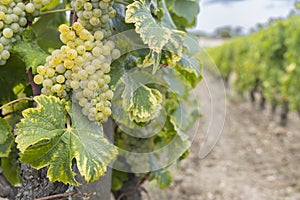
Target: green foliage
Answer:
pixel 46 138
pixel 119 178
pixel 184 12
pixel 6 138
pixel 175 82
pixel 10 167
pixel 30 52
pixel 8 154
pixel 13 73
pixel 53 4
pixel 46 32
pixel 190 69
pixel 45 28
pixel 156 36
pixel 164 178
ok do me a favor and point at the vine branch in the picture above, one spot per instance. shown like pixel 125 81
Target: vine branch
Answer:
pixel 56 11
pixel 35 88
pixel 67 194
pixel 17 100
pixel 74 193
pixel 122 2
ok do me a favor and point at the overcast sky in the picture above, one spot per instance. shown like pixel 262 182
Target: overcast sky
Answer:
pixel 244 13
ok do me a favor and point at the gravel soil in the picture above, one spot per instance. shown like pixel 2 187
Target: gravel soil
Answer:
pixel 254 159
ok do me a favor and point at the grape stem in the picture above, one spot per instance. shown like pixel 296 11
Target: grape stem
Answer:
pixel 122 2
pixel 55 11
pixel 34 87
pixel 16 101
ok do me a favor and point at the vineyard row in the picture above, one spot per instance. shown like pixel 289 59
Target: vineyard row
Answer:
pixel 267 62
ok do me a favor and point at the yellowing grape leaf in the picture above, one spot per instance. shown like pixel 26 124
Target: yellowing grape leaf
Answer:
pixel 156 36
pixel 6 138
pixel 136 105
pixel 145 104
pixel 138 101
pixel 54 134
pixel 190 69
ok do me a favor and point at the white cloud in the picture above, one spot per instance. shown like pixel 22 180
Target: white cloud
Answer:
pixel 241 13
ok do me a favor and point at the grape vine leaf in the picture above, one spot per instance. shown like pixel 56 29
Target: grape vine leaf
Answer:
pixel 30 53
pixel 6 138
pixel 175 134
pixel 119 68
pixel 118 178
pixel 156 36
pixel 185 116
pixel 10 167
pixel 145 104
pixel 175 81
pixel 184 12
pixel 138 100
pixel 164 178
pixel 12 73
pixel 119 20
pixel 191 69
pixel 52 4
pixel 45 28
pixel 133 93
pixel 8 154
pixel 46 139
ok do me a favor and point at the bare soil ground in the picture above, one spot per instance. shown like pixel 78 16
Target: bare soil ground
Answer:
pixel 255 158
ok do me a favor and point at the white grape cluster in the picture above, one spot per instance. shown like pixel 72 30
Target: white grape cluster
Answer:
pixel 14 16
pixel 94 15
pixel 81 66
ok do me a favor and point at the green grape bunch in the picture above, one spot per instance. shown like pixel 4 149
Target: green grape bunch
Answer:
pixel 14 17
pixel 80 68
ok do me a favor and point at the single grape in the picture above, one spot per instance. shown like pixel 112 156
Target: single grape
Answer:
pixel 41 70
pixel 5 55
pixel 60 68
pixel 30 8
pixel 115 54
pixel 38 79
pixel 75 85
pixel 77 26
pixel 93 85
pixel 83 75
pixel 60 79
pixel 47 83
pixel 72 54
pixel 90 69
